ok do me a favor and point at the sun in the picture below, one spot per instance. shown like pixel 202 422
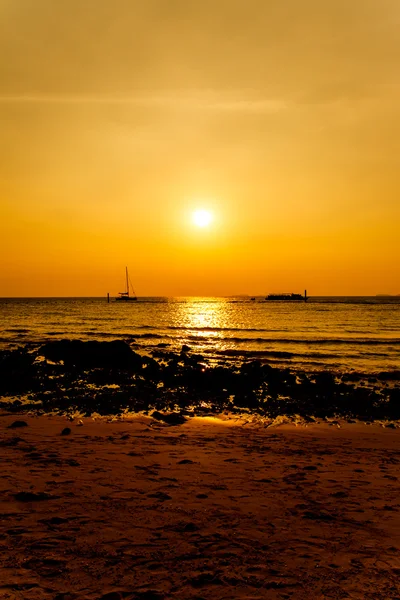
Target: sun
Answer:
pixel 202 218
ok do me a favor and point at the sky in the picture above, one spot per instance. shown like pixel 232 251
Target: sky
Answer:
pixel 120 118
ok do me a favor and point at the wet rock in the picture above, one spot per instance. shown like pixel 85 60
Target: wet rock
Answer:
pixel 172 418
pixel 66 431
pixel 389 375
pixel 17 373
pixel 92 354
pixel 17 424
pixel 185 348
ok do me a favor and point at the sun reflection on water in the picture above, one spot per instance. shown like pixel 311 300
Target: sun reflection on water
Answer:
pixel 203 317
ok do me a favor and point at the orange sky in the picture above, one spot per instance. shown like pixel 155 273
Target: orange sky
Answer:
pixel 119 118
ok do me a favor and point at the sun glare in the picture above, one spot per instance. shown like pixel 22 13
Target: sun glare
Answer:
pixel 202 218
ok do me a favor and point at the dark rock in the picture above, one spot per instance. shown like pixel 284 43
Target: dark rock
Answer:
pixel 56 521
pixel 17 373
pixel 172 418
pixel 66 431
pixel 318 516
pixel 185 461
pixel 160 496
pixel 190 527
pixel 92 354
pixel 389 375
pixel 148 595
pixel 11 442
pixel 185 348
pixel 205 579
pixel 33 496
pixel 17 424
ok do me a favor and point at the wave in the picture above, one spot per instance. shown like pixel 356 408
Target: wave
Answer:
pixel 349 340
pixel 306 341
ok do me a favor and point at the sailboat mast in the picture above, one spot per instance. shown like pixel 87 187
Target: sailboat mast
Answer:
pixel 127 281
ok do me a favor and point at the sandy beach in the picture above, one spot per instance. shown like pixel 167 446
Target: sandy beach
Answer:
pixel 213 508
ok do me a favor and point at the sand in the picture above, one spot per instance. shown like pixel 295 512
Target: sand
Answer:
pixel 208 509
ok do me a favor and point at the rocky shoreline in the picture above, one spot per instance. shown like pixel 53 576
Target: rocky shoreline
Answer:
pixel 109 378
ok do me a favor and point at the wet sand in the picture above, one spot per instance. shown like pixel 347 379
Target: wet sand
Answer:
pixel 209 509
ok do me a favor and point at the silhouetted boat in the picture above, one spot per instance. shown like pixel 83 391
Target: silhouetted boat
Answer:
pixel 126 296
pixel 288 297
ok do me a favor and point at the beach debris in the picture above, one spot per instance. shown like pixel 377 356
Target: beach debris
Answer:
pixel 17 424
pixel 79 423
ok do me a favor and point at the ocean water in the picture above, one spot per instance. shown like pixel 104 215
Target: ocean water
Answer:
pixel 342 334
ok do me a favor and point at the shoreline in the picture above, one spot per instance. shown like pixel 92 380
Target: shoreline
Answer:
pixel 211 508
pixel 108 378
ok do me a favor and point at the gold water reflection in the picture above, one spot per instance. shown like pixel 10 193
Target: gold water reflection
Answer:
pixel 203 316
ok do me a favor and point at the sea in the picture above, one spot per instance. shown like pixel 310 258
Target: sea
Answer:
pixel 342 334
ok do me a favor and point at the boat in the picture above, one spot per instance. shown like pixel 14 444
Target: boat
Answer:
pixel 126 295
pixel 288 297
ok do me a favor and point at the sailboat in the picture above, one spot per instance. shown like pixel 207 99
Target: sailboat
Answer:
pixel 126 296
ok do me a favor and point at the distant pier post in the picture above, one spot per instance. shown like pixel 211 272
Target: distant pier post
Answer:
pixel 108 297
pixel 305 295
